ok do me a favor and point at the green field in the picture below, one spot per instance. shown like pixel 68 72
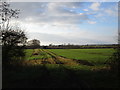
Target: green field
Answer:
pixel 95 56
pixel 62 68
pixel 87 58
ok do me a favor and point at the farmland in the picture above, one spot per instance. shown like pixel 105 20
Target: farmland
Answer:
pixel 95 56
pixel 55 68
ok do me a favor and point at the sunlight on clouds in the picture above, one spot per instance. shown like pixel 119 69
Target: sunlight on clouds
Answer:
pixel 92 22
pixel 111 12
pixel 68 22
pixel 80 13
pixel 29 19
pixel 95 6
pixel 85 9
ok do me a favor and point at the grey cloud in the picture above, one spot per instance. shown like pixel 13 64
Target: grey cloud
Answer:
pixel 55 13
pixel 63 8
pixel 43 12
pixel 28 8
pixel 60 19
pixel 36 8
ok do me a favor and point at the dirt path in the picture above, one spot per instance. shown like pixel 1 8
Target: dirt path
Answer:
pixel 63 60
pixel 52 58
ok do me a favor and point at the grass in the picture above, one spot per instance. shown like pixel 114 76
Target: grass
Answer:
pixel 58 76
pixel 41 54
pixel 95 56
pixel 62 75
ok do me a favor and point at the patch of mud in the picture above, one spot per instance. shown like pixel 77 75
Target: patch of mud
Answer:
pixel 70 61
pixel 83 62
pixel 54 57
pixel 80 61
pixel 45 62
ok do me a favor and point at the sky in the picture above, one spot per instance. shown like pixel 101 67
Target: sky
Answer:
pixel 76 23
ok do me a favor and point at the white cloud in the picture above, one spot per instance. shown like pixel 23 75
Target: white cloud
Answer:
pixel 50 13
pixel 104 13
pixel 57 22
pixel 64 1
pixel 111 12
pixel 56 9
pixel 80 13
pixel 95 6
pixel 99 15
pixel 80 37
pixel 85 9
pixel 92 22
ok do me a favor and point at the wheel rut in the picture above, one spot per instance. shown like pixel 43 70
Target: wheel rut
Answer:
pixel 49 57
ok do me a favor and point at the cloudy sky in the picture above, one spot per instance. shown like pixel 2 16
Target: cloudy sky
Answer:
pixel 69 22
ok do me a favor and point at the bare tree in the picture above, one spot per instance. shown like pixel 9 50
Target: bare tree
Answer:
pixel 13 39
pixel 6 14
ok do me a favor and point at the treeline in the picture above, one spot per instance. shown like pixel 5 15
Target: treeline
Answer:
pixel 73 46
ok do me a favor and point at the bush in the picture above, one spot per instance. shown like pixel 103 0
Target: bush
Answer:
pixel 114 61
pixel 13 46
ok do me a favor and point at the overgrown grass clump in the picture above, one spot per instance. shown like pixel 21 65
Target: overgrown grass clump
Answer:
pixel 35 54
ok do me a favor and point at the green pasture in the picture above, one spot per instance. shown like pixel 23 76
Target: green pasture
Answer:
pixel 95 56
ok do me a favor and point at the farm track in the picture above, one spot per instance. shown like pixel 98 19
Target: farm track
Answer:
pixel 61 60
pixel 65 60
pixel 46 59
pixel 49 57
pixel 54 57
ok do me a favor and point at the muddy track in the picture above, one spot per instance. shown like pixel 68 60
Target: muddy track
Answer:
pixel 70 61
pixel 54 57
pixel 61 60
pixel 35 53
pixel 45 59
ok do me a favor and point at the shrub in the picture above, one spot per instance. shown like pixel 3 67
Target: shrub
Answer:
pixel 114 60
